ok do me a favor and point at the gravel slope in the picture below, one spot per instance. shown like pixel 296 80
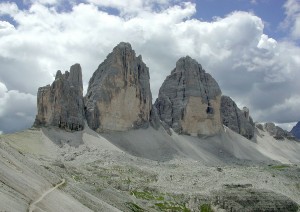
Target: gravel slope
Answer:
pixel 144 168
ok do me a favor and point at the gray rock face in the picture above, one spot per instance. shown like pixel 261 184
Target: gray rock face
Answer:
pixel 189 100
pixel 119 96
pixel 236 119
pixel 277 132
pixel 296 130
pixel 61 104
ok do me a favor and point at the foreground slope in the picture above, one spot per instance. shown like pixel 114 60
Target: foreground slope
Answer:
pixel 172 172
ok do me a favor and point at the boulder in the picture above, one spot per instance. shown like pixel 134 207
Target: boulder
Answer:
pixel 61 104
pixel 118 96
pixel 189 100
pixel 236 119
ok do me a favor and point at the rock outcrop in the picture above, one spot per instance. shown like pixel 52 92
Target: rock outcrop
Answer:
pixel 251 199
pixel 189 100
pixel 236 119
pixel 277 132
pixel 61 104
pixel 119 96
pixel 296 130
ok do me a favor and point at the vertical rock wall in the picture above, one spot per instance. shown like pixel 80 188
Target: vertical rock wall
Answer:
pixel 189 100
pixel 236 119
pixel 119 96
pixel 61 104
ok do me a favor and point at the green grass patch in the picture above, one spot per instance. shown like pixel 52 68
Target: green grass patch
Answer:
pixel 146 195
pixel 298 186
pixel 206 208
pixel 134 207
pixel 171 206
pixel 279 167
pixel 76 178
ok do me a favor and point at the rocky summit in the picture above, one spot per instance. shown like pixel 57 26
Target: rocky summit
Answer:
pixel 61 104
pixel 296 130
pixel 277 132
pixel 119 96
pixel 237 120
pixel 189 100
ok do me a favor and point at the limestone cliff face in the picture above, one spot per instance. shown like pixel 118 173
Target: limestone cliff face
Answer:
pixel 119 96
pixel 236 119
pixel 189 100
pixel 61 104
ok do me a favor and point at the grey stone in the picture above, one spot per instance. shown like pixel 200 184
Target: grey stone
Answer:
pixel 119 96
pixel 61 104
pixel 236 119
pixel 277 132
pixel 296 130
pixel 245 198
pixel 259 126
pixel 154 118
pixel 189 100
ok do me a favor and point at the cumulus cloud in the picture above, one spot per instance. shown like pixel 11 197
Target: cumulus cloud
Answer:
pixel 16 110
pixel 251 67
pixel 292 21
pixel 8 8
pixel 3 90
pixel 266 43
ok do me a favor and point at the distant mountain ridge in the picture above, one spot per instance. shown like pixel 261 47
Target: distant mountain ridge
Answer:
pixel 296 130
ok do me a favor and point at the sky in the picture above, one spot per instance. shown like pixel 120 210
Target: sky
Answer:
pixel 251 48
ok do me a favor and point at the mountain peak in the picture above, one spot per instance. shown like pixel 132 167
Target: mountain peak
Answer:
pixel 119 96
pixel 296 130
pixel 61 104
pixel 189 100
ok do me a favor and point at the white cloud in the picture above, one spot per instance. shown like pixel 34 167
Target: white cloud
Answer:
pixel 267 43
pixel 3 90
pixel 292 21
pixel 16 109
pixel 8 8
pixel 252 68
pixel 6 28
pixel 286 126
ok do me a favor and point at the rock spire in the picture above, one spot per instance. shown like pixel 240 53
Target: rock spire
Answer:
pixel 119 96
pixel 236 119
pixel 189 100
pixel 61 104
pixel 296 130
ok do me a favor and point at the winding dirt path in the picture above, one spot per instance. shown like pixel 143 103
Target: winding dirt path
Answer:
pixel 32 206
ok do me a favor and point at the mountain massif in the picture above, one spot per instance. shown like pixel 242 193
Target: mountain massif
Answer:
pixel 113 150
pixel 119 98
